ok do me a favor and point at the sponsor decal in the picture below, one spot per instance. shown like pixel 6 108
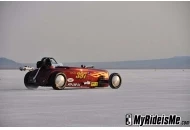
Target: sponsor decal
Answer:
pixel 94 84
pixel 74 84
pixel 70 79
pixel 87 82
pixel 141 120
pixel 81 75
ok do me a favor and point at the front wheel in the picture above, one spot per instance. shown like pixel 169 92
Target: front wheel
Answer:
pixel 29 85
pixel 59 81
pixel 115 80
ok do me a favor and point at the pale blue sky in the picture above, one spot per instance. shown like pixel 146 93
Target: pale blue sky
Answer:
pixel 94 31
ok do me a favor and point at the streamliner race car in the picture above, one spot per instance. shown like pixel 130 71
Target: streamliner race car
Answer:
pixel 51 73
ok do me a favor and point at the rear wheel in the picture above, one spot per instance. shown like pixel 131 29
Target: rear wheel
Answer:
pixel 59 81
pixel 29 85
pixel 115 80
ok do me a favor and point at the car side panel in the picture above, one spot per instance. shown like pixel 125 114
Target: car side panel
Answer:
pixel 85 77
pixel 76 77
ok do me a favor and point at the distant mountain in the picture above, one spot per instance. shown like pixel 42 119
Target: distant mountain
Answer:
pixel 8 64
pixel 178 62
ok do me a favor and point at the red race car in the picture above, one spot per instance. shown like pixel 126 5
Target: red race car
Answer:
pixel 51 73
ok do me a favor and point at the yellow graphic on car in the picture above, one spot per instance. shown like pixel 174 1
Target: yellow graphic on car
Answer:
pixel 94 84
pixel 98 74
pixel 81 75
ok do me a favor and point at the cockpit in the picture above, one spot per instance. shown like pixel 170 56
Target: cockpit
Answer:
pixel 48 62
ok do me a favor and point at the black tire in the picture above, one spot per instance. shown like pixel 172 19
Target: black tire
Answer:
pixel 111 83
pixel 53 79
pixel 29 85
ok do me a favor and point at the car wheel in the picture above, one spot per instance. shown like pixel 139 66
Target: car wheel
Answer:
pixel 59 81
pixel 29 85
pixel 115 80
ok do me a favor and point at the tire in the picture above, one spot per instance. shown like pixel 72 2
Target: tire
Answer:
pixel 61 80
pixel 117 83
pixel 29 85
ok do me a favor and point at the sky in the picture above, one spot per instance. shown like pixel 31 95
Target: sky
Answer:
pixel 94 31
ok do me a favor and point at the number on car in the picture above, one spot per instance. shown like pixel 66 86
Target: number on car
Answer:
pixel 81 75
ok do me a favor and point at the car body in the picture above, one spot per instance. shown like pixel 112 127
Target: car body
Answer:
pixel 51 73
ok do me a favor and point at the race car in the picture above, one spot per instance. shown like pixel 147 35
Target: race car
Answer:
pixel 51 73
pixel 26 68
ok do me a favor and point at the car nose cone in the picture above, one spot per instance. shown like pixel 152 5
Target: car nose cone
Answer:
pixel 59 81
pixel 116 81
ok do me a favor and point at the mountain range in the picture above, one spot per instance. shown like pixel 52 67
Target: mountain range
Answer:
pixel 177 62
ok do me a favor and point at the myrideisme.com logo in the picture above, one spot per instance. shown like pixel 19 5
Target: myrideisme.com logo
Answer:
pixel 141 120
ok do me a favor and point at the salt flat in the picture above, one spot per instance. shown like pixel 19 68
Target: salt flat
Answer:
pixel 142 92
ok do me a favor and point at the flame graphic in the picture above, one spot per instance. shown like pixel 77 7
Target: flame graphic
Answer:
pixel 98 74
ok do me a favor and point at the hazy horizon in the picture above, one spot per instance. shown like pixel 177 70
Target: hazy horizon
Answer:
pixel 94 31
pixel 100 61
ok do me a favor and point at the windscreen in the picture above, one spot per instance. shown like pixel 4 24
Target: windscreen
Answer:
pixel 53 61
